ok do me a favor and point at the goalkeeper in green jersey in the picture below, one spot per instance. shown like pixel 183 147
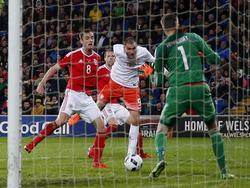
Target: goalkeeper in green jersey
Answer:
pixel 179 54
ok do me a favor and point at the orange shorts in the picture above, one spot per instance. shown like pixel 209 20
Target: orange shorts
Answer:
pixel 130 96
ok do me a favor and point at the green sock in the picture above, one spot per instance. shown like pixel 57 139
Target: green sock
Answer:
pixel 160 144
pixel 218 148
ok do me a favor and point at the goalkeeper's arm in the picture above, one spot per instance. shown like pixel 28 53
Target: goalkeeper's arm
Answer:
pixel 159 68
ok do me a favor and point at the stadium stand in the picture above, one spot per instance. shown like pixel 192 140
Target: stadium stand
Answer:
pixel 50 31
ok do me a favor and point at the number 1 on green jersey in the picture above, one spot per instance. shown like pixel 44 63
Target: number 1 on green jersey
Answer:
pixel 184 57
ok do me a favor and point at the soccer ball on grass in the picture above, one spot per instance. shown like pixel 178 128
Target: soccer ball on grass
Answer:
pixel 133 162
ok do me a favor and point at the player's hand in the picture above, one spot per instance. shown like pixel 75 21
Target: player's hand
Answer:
pixel 40 89
pixel 201 54
pixel 146 69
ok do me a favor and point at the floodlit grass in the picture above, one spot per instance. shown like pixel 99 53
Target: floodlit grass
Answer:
pixel 63 162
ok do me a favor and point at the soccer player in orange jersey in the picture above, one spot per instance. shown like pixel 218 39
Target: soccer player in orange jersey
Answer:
pixel 124 80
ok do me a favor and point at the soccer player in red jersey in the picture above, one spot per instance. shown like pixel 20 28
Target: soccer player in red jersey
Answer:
pixel 82 64
pixel 114 114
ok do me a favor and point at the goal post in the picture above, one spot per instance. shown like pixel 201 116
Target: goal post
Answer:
pixel 14 93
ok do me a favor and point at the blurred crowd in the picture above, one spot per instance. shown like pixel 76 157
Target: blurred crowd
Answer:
pixel 51 28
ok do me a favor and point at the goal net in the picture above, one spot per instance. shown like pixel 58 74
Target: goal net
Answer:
pixel 51 29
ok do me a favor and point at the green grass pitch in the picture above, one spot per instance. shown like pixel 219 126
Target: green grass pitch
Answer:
pixel 62 162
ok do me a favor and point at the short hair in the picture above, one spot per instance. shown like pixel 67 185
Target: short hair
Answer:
pixel 87 30
pixel 169 21
pixel 129 40
pixel 107 50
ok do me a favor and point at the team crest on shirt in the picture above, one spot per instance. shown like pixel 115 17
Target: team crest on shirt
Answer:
pixel 95 62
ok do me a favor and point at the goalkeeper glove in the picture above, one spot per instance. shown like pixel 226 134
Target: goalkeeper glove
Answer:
pixel 145 70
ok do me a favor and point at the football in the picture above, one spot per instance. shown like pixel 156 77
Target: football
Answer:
pixel 133 162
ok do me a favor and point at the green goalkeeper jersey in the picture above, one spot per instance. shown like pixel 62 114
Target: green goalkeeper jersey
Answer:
pixel 179 54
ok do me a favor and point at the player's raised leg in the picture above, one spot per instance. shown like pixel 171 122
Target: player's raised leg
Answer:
pixel 46 131
pixel 114 115
pixel 133 134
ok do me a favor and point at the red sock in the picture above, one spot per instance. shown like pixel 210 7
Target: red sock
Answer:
pixel 111 128
pixel 47 130
pixel 99 145
pixel 139 146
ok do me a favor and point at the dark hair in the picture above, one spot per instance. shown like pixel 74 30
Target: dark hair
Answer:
pixel 107 50
pixel 84 32
pixel 169 21
pixel 129 40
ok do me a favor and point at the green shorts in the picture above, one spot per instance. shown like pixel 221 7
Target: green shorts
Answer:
pixel 181 98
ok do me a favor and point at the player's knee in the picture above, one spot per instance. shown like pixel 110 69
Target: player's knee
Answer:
pixel 210 122
pixel 161 128
pixel 61 119
pixel 135 117
pixel 112 121
pixel 113 125
pixel 134 122
pixel 59 122
pixel 169 122
pixel 99 125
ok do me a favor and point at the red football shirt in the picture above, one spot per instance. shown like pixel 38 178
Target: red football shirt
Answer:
pixel 103 79
pixel 82 69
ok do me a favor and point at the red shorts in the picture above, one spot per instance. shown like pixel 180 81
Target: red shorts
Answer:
pixel 130 96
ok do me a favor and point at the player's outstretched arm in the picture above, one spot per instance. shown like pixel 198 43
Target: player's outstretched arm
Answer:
pixel 41 86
